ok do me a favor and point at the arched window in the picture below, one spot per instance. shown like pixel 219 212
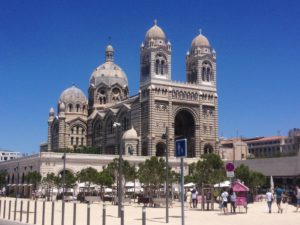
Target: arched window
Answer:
pixel 162 67
pixel 208 74
pixel 77 130
pixel 70 107
pixel 77 108
pixel 83 109
pixel 82 141
pixel 203 73
pixel 72 140
pixel 77 141
pixel 157 66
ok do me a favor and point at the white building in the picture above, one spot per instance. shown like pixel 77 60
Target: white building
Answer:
pixel 8 155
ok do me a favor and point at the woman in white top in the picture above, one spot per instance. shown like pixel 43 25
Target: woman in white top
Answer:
pixel 232 200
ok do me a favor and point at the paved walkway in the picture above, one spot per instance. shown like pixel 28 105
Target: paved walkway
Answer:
pixel 5 222
pixel 257 214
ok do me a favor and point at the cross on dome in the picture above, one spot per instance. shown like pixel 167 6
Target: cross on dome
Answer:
pixel 155 22
pixel 200 31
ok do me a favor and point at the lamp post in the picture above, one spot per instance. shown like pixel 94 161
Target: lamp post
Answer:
pixel 64 176
pixel 166 136
pixel 120 187
pixel 167 174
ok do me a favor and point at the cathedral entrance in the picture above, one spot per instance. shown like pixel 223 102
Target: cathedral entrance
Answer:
pixel 185 128
pixel 160 149
pixel 208 149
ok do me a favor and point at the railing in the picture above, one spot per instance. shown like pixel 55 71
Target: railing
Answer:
pixel 41 212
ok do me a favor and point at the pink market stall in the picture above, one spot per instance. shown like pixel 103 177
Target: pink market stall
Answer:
pixel 241 195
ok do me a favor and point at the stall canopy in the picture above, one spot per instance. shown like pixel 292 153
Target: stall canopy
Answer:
pixel 189 185
pixel 225 183
pixel 239 187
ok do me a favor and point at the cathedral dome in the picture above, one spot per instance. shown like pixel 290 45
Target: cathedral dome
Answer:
pixel 73 94
pixel 130 134
pixel 200 41
pixel 155 33
pixel 109 73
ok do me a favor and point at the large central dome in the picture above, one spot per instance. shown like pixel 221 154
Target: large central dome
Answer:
pixel 109 73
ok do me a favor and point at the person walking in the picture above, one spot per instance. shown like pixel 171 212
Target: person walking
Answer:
pixel 232 197
pixel 189 198
pixel 298 198
pixel 194 197
pixel 224 197
pixel 279 192
pixel 269 198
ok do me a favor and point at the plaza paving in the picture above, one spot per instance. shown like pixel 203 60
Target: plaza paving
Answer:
pixel 257 214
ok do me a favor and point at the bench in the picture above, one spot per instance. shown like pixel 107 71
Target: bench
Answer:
pixel 92 199
pixel 160 201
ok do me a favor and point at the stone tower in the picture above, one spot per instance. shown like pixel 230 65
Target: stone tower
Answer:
pixel 155 56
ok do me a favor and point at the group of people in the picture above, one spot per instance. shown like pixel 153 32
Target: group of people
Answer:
pixel 228 198
pixel 279 196
pixel 192 198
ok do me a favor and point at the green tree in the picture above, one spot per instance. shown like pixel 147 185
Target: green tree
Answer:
pixel 152 172
pixel 89 176
pixel 3 178
pixel 104 179
pixel 34 178
pixel 209 170
pixel 252 179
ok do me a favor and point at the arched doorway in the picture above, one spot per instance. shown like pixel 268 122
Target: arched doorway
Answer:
pixel 185 128
pixel 208 149
pixel 160 149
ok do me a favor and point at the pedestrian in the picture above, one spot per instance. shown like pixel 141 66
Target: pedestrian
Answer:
pixel 224 197
pixel 279 192
pixel 189 198
pixel 298 198
pixel 194 197
pixel 232 198
pixel 269 198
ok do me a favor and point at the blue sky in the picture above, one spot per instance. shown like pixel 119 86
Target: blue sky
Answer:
pixel 46 46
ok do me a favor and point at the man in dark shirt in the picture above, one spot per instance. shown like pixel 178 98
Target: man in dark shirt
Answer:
pixel 279 192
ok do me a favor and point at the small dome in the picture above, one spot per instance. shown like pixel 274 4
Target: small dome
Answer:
pixel 62 107
pixel 109 72
pixel 51 112
pixel 155 33
pixel 200 41
pixel 130 134
pixel 109 48
pixel 73 94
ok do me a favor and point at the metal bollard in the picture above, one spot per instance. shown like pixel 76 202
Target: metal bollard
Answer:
pixel 88 214
pixel 63 212
pixel 144 215
pixel 104 215
pixel 21 211
pixel 28 207
pixel 35 208
pixel 74 213
pixel 4 209
pixel 0 205
pixel 43 215
pixel 9 209
pixel 122 215
pixel 52 213
pixel 15 211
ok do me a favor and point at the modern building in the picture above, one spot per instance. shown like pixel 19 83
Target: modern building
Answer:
pixel 6 155
pixel 275 146
pixel 188 109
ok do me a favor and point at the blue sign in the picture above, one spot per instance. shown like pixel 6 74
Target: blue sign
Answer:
pixel 181 148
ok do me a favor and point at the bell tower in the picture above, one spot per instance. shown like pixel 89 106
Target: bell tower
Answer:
pixel 201 62
pixel 155 57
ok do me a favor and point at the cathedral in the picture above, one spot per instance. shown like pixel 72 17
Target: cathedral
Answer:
pixel 143 124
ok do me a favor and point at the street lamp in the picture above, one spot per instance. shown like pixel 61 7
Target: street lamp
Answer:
pixel 64 175
pixel 120 187
pixel 166 136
